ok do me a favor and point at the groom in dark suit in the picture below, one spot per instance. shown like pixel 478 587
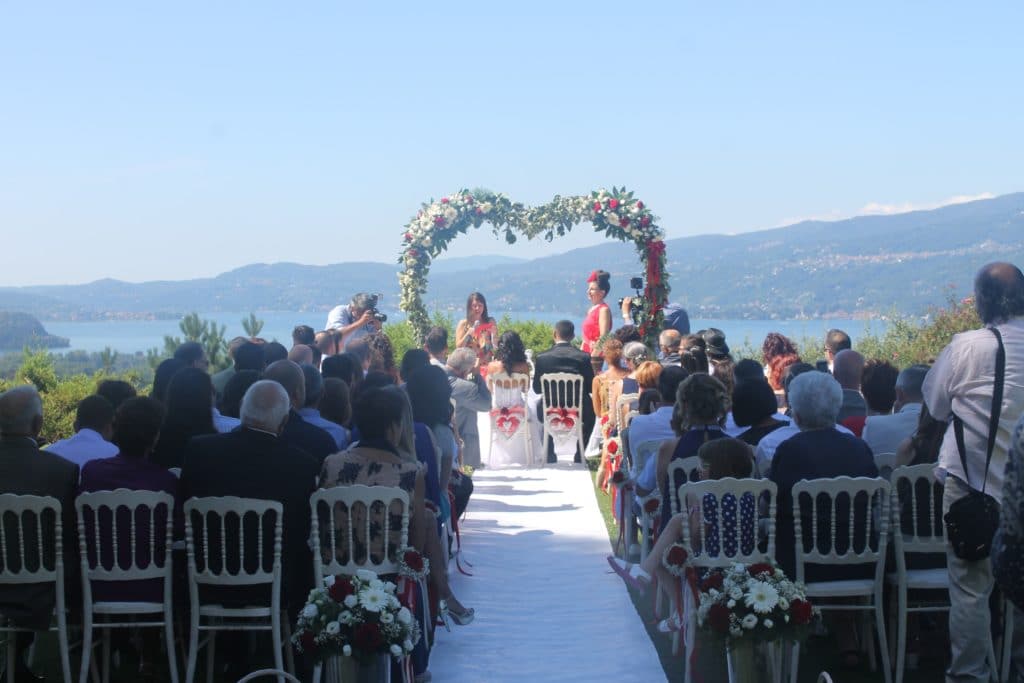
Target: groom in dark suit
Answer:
pixel 564 357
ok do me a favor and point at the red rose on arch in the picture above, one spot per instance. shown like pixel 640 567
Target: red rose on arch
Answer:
pixel 613 203
pixel 624 222
pixel 341 589
pixel 677 556
pixel 367 637
pixel 801 611
pixel 713 580
pixel 639 205
pixel 645 221
pixel 597 207
pixel 413 560
pixel 718 618
pixel 760 568
pixel 469 199
pixel 439 220
pixel 444 200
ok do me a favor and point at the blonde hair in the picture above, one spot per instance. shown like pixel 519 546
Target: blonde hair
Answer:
pixel 647 375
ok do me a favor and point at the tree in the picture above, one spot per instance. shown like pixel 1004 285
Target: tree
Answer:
pixel 108 358
pixel 252 325
pixel 207 333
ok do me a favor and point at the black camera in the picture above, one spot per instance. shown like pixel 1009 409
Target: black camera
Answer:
pixel 371 306
pixel 636 284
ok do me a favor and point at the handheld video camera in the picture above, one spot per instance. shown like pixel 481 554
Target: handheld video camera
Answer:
pixel 636 284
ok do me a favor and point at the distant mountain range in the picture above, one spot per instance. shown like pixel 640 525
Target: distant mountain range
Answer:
pixel 864 266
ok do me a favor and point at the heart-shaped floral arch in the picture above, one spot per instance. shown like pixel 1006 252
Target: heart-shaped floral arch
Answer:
pixel 617 214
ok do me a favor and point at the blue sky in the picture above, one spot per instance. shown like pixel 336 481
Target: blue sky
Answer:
pixel 165 141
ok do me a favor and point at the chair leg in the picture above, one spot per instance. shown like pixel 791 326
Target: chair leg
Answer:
pixel 867 638
pixel 901 632
pixel 62 642
pixel 12 655
pixel 275 633
pixel 794 662
pixel 1004 672
pixel 883 647
pixel 83 675
pixel 289 655
pixel 211 654
pixel 172 654
pixel 193 646
pixel 106 655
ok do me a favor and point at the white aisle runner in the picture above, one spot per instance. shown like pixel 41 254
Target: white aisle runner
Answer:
pixel 547 606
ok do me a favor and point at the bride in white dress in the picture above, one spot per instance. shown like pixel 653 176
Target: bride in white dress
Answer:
pixel 513 417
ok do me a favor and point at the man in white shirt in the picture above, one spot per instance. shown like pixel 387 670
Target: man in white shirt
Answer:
pixel 884 433
pixel 835 341
pixel 310 412
pixel 436 345
pixel 94 421
pixel 355 319
pixel 960 387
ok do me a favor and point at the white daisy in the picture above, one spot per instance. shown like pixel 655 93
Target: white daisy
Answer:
pixel 373 599
pixel 386 617
pixel 310 611
pixel 351 601
pixel 749 621
pixel 762 597
pixel 333 628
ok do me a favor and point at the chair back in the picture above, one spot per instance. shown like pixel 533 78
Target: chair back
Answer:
pixel 504 382
pixel 732 537
pixel 125 535
pixel 885 462
pixel 858 507
pixel 342 524
pixel 642 452
pixel 31 544
pixel 680 472
pixel 623 411
pixel 562 396
pixel 917 511
pixel 226 540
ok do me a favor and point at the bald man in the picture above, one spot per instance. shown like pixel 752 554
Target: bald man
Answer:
pixel 846 369
pixel 297 431
pixel 26 470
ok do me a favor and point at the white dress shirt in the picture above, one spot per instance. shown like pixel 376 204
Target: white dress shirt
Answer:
pixel 224 423
pixel 653 427
pixel 85 445
pixel 884 433
pixel 337 432
pixel 769 442
pixel 961 383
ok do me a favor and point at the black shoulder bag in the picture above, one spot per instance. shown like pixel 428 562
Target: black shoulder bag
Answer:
pixel 972 521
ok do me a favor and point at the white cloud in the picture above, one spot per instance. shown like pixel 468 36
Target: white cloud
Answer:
pixel 879 209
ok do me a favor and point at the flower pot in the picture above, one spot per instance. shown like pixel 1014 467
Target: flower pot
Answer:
pixel 741 657
pixel 340 669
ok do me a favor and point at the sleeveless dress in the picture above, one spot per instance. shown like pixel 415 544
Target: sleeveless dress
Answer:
pixel 592 327
pixel 483 336
pixel 508 446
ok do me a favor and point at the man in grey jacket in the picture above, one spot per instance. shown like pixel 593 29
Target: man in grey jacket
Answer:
pixel 471 397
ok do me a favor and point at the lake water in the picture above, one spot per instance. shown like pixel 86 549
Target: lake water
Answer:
pixel 129 336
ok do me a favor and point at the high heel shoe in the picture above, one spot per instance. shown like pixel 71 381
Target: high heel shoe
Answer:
pixel 462 618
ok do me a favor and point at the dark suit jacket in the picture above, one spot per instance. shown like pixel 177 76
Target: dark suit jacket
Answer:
pixel 26 470
pixel 253 464
pixel 309 438
pixel 564 357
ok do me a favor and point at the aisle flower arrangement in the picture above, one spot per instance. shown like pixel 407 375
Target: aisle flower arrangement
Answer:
pixel 754 602
pixel 358 616
pixel 616 213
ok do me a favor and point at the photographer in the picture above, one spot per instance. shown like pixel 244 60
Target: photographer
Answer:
pixel 358 319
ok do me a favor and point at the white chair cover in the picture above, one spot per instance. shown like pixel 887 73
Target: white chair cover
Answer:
pixel 563 397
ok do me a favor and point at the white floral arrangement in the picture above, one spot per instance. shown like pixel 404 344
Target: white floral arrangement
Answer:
pixel 754 601
pixel 616 213
pixel 355 616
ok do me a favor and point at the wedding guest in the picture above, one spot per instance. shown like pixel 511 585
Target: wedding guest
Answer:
pixel 188 412
pixel 648 401
pixel 255 462
pixel 922 446
pixel 273 352
pixel 478 330
pixel 668 341
pixel 627 334
pixel 310 412
pixel 657 426
pixel 472 397
pixel 94 420
pixel 436 344
pixel 430 397
pixel 598 322
pixel 26 470
pixel 246 356
pixel 847 368
pixel 412 360
pixel 835 341
pixel 355 320
pixel 561 357
pixel 748 368
pixel 220 379
pixel 328 342
pixel 607 386
pixel 167 369
pixel 779 353
pixel 382 355
pixel 297 431
pixel 231 403
pixel 635 355
pixel 336 404
pixel 754 408
pixel 878 387
pixel 647 375
pixel 117 391
pixel 677 318
pixel 345 366
pixel 718 353
pixel 304 335
pixel 360 350
pixel 193 355
pixel 694 359
pixel 300 354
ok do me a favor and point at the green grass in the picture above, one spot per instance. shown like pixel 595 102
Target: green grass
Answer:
pixel 817 655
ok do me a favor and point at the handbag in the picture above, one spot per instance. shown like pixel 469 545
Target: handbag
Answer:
pixel 972 521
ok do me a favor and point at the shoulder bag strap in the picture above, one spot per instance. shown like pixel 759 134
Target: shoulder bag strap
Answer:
pixel 993 422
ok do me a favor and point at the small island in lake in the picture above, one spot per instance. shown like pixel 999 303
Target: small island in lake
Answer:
pixel 18 330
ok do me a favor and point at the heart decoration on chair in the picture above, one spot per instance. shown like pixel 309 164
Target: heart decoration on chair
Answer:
pixel 562 419
pixel 507 420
